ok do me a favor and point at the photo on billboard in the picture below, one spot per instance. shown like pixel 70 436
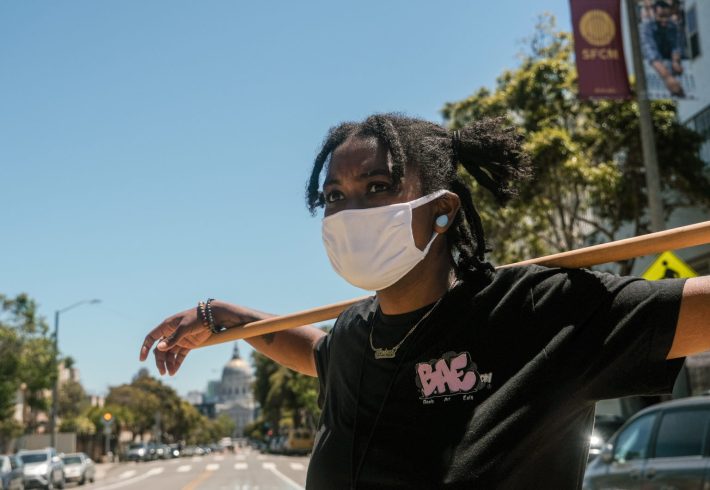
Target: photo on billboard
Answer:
pixel 664 44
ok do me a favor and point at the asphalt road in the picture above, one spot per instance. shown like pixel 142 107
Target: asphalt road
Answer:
pixel 245 470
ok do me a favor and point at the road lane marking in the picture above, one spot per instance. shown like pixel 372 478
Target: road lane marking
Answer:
pixel 197 481
pixel 184 468
pixel 219 457
pixel 126 474
pixel 272 468
pixel 196 459
pixel 240 456
pixel 240 466
pixel 261 457
pixel 212 467
pixel 297 466
pixel 130 481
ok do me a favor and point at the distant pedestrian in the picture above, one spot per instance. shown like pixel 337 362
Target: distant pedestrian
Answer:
pixel 454 374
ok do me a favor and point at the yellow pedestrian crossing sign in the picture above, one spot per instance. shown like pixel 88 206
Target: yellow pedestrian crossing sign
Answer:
pixel 668 266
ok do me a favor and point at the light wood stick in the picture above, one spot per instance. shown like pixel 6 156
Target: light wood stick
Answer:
pixel 653 243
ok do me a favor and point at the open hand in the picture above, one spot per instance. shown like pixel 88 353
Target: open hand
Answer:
pixel 176 336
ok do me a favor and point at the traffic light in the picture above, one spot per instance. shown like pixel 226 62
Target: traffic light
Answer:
pixel 108 418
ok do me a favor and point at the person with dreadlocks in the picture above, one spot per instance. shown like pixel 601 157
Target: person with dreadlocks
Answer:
pixel 454 374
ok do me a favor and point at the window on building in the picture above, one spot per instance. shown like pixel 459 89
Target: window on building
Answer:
pixel 691 22
pixel 701 124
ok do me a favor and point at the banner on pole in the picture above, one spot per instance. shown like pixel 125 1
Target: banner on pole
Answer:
pixel 665 48
pixel 599 49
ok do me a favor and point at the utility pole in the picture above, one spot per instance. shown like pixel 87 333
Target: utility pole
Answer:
pixel 55 386
pixel 648 139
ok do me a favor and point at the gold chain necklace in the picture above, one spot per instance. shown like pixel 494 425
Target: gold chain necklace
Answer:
pixel 384 353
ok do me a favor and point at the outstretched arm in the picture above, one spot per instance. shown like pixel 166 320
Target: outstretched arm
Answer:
pixel 692 334
pixel 180 333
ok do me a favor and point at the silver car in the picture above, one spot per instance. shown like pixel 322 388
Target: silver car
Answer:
pixel 42 468
pixel 665 446
pixel 79 467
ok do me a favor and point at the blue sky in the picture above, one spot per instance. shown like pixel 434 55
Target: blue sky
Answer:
pixel 154 153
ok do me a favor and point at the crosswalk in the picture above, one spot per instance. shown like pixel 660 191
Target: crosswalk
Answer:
pixel 238 466
pixel 240 471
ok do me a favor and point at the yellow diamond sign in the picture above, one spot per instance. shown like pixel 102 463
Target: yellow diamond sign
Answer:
pixel 668 266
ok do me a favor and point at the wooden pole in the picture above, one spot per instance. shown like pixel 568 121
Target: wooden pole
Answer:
pixel 653 243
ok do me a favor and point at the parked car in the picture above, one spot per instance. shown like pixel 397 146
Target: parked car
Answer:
pixel 11 476
pixel 174 450
pixel 663 446
pixel 298 442
pixel 79 467
pixel 42 468
pixel 138 451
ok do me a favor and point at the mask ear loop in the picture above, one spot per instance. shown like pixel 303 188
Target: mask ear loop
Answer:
pixel 426 200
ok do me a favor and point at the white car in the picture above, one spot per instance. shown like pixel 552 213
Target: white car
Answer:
pixel 42 468
pixel 79 467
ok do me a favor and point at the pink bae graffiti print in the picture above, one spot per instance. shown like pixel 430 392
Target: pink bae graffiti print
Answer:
pixel 452 374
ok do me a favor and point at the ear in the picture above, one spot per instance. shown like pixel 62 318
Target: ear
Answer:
pixel 447 205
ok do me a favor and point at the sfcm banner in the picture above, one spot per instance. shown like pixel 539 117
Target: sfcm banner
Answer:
pixel 599 49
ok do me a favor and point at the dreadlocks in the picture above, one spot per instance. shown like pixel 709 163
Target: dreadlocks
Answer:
pixel 492 154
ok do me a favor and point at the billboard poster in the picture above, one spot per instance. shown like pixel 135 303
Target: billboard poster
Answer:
pixel 664 46
pixel 599 49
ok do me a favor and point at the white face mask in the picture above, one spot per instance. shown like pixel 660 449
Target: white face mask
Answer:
pixel 374 248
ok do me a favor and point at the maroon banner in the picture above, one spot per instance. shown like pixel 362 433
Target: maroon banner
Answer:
pixel 599 49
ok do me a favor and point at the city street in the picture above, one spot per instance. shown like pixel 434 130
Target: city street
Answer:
pixel 245 470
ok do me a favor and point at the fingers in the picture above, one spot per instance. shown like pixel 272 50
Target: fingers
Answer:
pixel 170 341
pixel 170 360
pixel 165 329
pixel 160 360
pixel 173 363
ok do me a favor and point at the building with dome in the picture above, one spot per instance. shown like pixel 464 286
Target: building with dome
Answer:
pixel 235 396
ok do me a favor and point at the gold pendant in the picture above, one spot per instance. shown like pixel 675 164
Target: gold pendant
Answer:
pixel 385 353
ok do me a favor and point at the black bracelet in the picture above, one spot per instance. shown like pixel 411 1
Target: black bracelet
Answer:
pixel 210 317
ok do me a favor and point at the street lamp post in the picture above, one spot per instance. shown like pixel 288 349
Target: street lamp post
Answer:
pixel 55 387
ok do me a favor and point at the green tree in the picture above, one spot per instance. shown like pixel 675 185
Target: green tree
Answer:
pixel 140 405
pixel 9 384
pixel 28 360
pixel 81 424
pixel 286 397
pixel 589 184
pixel 72 399
pixel 123 417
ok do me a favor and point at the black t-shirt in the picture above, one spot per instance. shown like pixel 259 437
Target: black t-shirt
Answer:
pixel 496 388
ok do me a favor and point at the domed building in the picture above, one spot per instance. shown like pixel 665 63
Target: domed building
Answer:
pixel 235 397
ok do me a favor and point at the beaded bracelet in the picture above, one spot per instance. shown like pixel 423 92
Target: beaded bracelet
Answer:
pixel 210 317
pixel 202 314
